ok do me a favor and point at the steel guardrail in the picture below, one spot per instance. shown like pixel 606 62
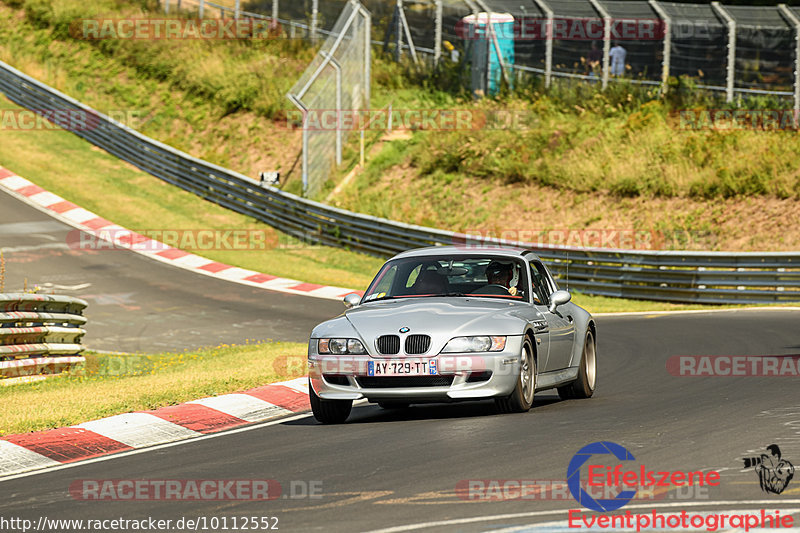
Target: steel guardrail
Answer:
pixel 40 335
pixel 677 276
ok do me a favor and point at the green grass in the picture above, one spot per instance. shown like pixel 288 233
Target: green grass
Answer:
pixel 112 384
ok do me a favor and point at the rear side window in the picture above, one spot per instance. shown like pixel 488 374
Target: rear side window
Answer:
pixel 540 285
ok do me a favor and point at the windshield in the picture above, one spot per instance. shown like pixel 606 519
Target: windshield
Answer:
pixel 480 275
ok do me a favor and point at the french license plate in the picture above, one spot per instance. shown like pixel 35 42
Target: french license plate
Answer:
pixel 402 368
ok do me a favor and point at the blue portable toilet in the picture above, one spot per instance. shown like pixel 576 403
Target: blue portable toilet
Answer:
pixel 486 70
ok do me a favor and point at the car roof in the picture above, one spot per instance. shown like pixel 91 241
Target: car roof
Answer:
pixel 468 249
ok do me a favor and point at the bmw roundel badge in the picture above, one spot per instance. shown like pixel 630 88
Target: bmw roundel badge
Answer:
pixel 404 330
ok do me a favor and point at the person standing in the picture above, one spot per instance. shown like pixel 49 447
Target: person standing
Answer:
pixel 617 57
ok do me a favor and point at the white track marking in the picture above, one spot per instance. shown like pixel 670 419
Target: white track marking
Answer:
pixel 243 406
pixel 15 183
pixel 13 457
pixel 138 429
pixel 46 198
pixel 298 384
pixel 78 215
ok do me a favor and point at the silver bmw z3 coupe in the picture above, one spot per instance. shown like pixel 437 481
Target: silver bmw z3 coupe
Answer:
pixel 452 323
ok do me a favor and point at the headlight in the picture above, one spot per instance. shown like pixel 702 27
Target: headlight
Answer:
pixel 475 344
pixel 340 346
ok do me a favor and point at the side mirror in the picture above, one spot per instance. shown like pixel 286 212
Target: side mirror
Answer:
pixel 559 298
pixel 351 300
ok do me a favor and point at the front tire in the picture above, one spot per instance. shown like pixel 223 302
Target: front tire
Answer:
pixel 584 386
pixel 521 400
pixel 329 411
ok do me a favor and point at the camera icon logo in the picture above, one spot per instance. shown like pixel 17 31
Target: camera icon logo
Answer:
pixel 774 472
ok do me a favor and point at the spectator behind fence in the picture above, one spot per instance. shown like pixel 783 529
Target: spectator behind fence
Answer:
pixel 617 57
pixel 593 60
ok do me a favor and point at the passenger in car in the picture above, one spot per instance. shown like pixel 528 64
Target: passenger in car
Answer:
pixel 430 282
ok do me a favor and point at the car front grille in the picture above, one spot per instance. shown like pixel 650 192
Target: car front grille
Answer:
pixel 397 382
pixel 417 344
pixel 388 344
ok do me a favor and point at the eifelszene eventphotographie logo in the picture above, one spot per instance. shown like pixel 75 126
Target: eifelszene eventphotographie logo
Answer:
pixel 596 456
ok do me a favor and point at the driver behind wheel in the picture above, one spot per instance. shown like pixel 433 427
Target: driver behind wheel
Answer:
pixel 501 274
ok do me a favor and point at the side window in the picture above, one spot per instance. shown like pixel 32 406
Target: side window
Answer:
pixel 385 284
pixel 541 290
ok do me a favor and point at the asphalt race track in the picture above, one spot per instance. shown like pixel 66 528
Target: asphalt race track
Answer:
pixel 386 469
pixel 137 304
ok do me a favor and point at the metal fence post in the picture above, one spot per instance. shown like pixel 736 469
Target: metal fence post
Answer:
pixel 201 8
pixel 166 6
pixel 275 6
pixel 548 44
pixel 367 55
pixel 606 38
pixel 338 68
pixel 731 25
pixel 437 33
pixel 314 14
pixel 665 62
pixel 794 21
pixel 407 30
pixel 398 29
pixel 236 10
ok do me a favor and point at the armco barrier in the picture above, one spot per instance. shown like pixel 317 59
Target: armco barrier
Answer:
pixel 40 335
pixel 696 277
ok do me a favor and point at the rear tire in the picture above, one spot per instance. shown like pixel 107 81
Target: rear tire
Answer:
pixel 584 386
pixel 521 400
pixel 329 411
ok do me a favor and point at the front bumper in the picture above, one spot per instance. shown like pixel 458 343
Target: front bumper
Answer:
pixel 459 377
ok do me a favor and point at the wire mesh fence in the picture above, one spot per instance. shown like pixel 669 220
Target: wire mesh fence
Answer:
pixel 337 81
pixel 692 40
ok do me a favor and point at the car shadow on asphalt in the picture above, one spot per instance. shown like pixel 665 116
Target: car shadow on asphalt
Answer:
pixel 372 413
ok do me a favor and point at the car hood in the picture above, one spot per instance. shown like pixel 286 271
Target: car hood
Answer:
pixel 441 318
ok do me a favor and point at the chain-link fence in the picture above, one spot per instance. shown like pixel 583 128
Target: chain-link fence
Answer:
pixel 732 49
pixel 334 86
